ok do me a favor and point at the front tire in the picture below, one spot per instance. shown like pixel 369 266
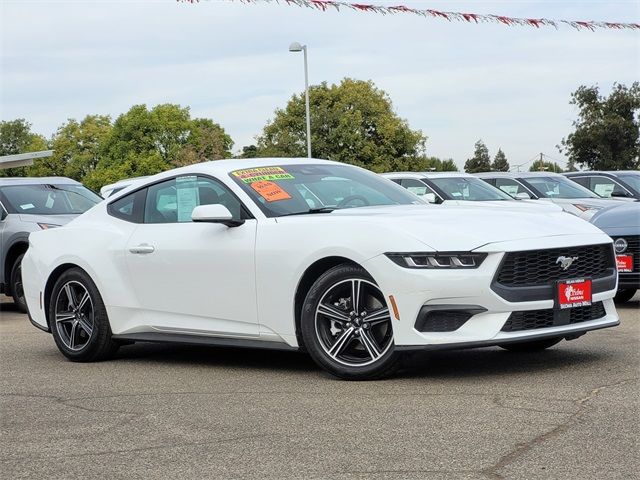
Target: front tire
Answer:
pixel 78 318
pixel 624 295
pixel 17 290
pixel 346 325
pixel 532 346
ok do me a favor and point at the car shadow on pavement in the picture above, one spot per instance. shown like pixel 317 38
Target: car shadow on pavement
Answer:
pixel 495 361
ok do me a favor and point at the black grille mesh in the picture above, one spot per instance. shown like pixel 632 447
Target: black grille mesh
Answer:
pixel 633 247
pixel 533 319
pixel 539 267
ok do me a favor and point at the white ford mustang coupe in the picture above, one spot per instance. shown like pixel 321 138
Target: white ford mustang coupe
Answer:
pixel 314 255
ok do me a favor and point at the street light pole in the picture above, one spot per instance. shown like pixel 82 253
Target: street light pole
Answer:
pixel 296 47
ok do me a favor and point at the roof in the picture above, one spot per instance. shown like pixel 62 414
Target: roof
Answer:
pixel 426 175
pixel 221 167
pixel 601 172
pixel 516 174
pixel 6 181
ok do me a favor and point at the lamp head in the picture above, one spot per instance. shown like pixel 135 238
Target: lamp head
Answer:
pixel 295 47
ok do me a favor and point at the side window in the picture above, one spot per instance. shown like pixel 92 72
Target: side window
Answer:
pixel 128 208
pixel 604 186
pixel 173 201
pixel 510 186
pixel 584 181
pixel 420 189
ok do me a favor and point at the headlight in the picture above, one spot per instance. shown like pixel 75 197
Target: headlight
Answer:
pixel 584 208
pixel 440 260
pixel 47 226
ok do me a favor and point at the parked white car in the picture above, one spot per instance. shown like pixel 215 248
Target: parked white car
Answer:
pixel 457 188
pixel 549 187
pixel 318 255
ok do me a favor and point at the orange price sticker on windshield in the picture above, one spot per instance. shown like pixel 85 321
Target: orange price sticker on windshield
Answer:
pixel 270 191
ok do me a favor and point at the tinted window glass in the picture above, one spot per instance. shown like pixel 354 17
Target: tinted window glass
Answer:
pixel 605 187
pixel 632 180
pixel 558 187
pixel 49 199
pixel 173 201
pixel 511 187
pixel 468 189
pixel 294 189
pixel 128 208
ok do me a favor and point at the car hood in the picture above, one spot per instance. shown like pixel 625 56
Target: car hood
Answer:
pixel 454 228
pixel 596 202
pixel 50 219
pixel 530 205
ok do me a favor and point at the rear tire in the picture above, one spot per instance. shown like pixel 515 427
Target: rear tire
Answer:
pixel 17 290
pixel 624 295
pixel 78 318
pixel 350 339
pixel 532 346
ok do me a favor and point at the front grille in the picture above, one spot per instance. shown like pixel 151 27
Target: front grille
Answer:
pixel 540 267
pixel 534 319
pixel 633 247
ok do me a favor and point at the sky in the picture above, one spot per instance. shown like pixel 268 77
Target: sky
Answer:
pixel 229 61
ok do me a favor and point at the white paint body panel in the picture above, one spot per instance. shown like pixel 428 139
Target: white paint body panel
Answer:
pixel 208 279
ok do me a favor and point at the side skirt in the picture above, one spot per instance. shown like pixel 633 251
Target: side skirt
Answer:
pixel 155 337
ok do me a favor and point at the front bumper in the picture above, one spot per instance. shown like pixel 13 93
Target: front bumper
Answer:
pixel 415 289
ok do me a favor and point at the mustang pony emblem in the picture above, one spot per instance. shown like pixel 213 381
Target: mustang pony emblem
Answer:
pixel 565 262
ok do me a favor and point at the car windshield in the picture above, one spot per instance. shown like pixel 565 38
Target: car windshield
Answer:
pixel 557 187
pixel 465 188
pixel 631 179
pixel 308 188
pixel 50 199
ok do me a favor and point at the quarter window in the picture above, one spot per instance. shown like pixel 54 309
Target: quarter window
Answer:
pixel 128 208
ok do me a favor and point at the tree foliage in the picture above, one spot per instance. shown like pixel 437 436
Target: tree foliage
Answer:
pixel 607 131
pixel 480 162
pixel 16 137
pixel 500 163
pixel 146 142
pixel 352 122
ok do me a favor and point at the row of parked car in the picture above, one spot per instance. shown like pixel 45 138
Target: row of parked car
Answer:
pixel 30 204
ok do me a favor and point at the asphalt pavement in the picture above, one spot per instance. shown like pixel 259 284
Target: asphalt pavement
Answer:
pixel 159 411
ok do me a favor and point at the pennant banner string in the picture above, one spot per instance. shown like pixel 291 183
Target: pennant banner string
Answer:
pixel 325 5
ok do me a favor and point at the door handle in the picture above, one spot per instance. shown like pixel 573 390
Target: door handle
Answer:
pixel 142 248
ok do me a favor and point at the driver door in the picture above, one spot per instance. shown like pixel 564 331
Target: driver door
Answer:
pixel 194 278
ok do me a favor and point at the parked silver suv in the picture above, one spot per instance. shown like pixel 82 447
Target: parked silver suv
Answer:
pixel 28 205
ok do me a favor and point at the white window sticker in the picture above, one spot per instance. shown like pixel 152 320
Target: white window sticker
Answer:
pixel 27 206
pixel 187 196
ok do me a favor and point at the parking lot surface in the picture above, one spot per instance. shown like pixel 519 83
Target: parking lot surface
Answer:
pixel 159 411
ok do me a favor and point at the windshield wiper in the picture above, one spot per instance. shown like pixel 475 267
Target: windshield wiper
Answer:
pixel 311 210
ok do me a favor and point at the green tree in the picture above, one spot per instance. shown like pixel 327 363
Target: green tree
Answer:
pixel 145 142
pixel 76 148
pixel 607 131
pixel 500 163
pixel 249 151
pixel 542 166
pixel 480 162
pixel 352 122
pixel 16 137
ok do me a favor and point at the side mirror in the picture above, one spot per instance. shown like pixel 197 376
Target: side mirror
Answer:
pixel 430 197
pixel 523 196
pixel 619 194
pixel 215 214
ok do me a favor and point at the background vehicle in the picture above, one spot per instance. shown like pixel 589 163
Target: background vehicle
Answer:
pixel 112 188
pixel 455 188
pixel 621 185
pixel 290 253
pixel 622 224
pixel 28 205
pixel 553 187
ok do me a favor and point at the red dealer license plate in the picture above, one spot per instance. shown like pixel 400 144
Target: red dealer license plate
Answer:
pixel 574 293
pixel 625 263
